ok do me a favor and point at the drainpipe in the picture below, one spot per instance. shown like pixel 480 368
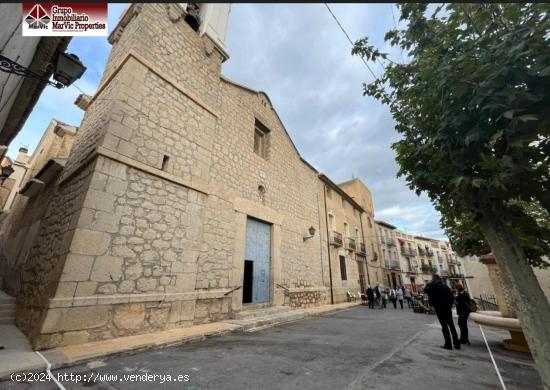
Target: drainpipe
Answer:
pixel 328 246
pixel 320 240
pixel 364 243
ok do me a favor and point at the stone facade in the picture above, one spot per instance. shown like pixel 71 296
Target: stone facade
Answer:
pixel 348 237
pixel 145 228
pixel 23 220
pixel 10 185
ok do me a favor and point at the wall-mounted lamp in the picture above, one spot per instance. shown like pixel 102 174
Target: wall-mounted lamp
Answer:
pixel 311 233
pixel 66 70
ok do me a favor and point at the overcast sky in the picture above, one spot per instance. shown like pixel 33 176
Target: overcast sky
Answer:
pixel 298 55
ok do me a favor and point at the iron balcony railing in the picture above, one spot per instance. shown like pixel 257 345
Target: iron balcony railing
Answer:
pixel 390 242
pixel 444 273
pixel 387 264
pixel 408 252
pixel 413 270
pixel 350 244
pixel 336 238
pixel 421 251
pixel 456 276
pixel 360 257
pixel 429 253
pixel 395 264
pixel 427 269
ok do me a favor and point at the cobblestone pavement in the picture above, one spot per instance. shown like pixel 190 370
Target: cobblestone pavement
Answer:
pixel 353 349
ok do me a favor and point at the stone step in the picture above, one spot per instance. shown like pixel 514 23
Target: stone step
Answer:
pixel 261 312
pixel 7 306
pixel 5 298
pixel 7 312
pixel 7 320
pixel 258 323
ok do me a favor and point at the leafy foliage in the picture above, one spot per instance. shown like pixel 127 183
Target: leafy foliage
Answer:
pixel 473 106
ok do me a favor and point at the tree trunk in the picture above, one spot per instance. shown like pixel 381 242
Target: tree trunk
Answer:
pixel 528 299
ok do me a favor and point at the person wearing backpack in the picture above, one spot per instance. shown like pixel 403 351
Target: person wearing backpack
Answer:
pixel 464 307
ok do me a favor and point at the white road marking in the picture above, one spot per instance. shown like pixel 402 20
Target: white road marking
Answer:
pixel 48 370
pixel 492 359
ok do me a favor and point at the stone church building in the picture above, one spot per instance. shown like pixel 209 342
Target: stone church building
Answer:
pixel 183 199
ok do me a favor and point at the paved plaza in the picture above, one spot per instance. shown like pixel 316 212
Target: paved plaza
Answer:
pixel 351 349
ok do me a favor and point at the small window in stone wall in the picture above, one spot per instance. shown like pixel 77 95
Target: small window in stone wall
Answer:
pixel 261 140
pixel 329 193
pixel 165 162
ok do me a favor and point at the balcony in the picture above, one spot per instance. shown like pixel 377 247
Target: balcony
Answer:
pixel 390 242
pixel 413 270
pixel 408 251
pixel 335 238
pixel 440 258
pixel 429 253
pixel 421 251
pixel 456 276
pixel 362 248
pixel 387 264
pixel 382 239
pixel 444 273
pixel 350 244
pixel 360 257
pixel 395 264
pixel 428 269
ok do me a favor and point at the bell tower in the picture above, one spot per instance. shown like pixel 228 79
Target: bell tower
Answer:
pixel 125 216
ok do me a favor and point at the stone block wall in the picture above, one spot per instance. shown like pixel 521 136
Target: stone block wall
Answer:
pixel 46 259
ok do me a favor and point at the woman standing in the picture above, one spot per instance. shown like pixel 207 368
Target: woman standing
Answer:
pixel 463 311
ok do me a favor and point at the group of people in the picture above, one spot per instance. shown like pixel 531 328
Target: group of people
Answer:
pixel 379 296
pixel 440 297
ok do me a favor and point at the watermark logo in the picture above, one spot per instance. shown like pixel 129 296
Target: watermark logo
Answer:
pixel 37 18
pixel 64 19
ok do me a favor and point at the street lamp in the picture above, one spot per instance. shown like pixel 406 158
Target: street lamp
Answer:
pixel 311 231
pixel 68 68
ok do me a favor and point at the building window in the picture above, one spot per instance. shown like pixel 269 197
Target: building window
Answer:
pixel 329 193
pixel 343 268
pixel 331 222
pixel 346 229
pixel 261 140
pixel 343 203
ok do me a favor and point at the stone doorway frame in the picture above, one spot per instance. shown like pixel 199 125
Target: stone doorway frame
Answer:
pixel 245 208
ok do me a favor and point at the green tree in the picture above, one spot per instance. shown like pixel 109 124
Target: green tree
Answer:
pixel 472 103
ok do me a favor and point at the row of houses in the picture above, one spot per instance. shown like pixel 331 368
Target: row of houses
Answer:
pixel 181 199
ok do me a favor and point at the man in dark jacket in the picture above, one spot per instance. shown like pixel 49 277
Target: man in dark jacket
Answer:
pixel 370 297
pixel 441 298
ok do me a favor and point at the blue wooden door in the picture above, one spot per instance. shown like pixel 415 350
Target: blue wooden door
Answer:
pixel 258 250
